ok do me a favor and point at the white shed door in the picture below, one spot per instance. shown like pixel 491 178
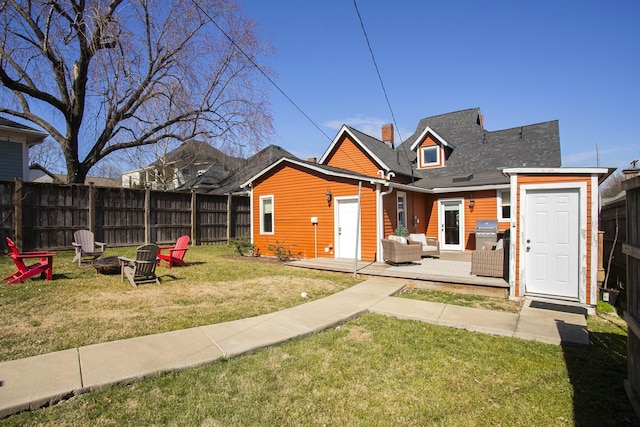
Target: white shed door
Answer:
pixel 552 242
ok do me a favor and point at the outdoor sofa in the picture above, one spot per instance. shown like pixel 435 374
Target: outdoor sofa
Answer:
pixel 398 250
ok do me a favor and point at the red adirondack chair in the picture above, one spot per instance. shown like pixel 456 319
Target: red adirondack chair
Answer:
pixel 44 267
pixel 176 253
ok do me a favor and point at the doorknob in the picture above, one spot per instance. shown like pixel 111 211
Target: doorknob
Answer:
pixel 339 230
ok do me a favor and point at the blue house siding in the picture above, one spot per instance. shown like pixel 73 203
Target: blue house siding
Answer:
pixel 11 160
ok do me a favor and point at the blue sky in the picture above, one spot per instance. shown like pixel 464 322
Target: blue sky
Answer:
pixel 519 62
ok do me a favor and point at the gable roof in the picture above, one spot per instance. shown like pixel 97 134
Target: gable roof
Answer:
pixel 385 157
pixel 479 152
pixel 232 181
pixel 197 152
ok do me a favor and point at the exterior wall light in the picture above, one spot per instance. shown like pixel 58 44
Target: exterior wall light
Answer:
pixel 471 202
pixel 329 196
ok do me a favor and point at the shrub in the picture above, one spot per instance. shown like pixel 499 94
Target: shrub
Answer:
pixel 282 250
pixel 401 231
pixel 242 245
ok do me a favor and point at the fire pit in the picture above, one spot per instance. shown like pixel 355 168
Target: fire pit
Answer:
pixel 108 265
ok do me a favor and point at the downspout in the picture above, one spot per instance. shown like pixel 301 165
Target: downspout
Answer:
pixel 380 213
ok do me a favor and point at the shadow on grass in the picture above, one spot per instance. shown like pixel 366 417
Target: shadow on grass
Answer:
pixel 597 374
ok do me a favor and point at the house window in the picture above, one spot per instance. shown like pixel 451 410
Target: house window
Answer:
pixel 430 155
pixel 401 199
pixel 504 205
pixel 266 215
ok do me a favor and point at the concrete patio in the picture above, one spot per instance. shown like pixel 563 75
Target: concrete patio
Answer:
pixel 450 272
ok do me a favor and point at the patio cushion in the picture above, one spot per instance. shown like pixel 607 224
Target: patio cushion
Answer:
pixel 398 239
pixel 429 244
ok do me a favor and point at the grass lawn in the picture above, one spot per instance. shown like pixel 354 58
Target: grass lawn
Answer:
pixel 81 307
pixel 371 371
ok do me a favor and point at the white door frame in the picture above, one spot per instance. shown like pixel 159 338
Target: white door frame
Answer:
pixel 441 232
pixel 582 232
pixel 336 231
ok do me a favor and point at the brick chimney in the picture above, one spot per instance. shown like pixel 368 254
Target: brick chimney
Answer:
pixel 387 134
pixel 312 160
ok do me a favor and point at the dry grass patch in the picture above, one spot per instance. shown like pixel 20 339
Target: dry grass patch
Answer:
pixel 81 307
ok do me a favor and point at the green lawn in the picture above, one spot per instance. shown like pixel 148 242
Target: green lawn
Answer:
pixel 371 371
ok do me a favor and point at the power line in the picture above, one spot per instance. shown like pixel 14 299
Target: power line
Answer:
pixel 260 69
pixel 377 70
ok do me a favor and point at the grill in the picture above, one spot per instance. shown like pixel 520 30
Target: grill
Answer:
pixel 486 232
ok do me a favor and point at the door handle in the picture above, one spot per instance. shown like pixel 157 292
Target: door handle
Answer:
pixel 339 231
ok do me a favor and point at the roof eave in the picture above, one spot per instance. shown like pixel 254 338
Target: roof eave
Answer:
pixel 345 129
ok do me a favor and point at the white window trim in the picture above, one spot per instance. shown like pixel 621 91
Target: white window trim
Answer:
pixel 429 147
pixel 262 199
pixel 403 195
pixel 499 205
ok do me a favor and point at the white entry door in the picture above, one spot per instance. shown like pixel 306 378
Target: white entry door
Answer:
pixel 451 224
pixel 347 228
pixel 552 242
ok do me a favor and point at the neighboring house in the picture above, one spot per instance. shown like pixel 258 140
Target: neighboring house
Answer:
pixel 15 140
pixel 186 163
pixel 445 177
pixel 213 183
pixel 38 173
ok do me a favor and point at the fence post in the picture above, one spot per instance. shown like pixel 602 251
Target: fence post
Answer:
pixel 229 204
pixel 194 231
pixel 147 215
pixel 17 213
pixel 91 217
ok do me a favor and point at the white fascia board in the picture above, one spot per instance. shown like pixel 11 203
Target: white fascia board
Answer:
pixel 423 135
pixel 441 190
pixel 32 136
pixel 557 171
pixel 343 130
pixel 313 167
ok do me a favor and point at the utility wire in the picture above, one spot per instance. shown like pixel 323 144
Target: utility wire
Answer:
pixel 377 70
pixel 260 69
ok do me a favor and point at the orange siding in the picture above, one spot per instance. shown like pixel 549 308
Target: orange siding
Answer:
pixel 348 155
pixel 416 207
pixel 485 207
pixel 554 179
pixel 299 194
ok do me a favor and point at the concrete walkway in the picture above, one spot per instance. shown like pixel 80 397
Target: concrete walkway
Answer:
pixel 46 379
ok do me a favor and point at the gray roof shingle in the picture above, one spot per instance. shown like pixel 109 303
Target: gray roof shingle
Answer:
pixel 482 153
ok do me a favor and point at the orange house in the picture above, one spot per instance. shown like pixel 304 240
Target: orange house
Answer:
pixel 445 179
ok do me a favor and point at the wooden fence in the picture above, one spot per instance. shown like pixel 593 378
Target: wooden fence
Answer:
pixel 43 216
pixel 632 315
pixel 613 225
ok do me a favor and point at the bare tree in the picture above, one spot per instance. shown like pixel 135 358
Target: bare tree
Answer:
pixel 612 185
pixel 48 155
pixel 106 75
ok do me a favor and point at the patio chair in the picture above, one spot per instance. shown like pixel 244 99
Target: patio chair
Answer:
pixel 86 246
pixel 430 245
pixel 488 261
pixel 395 251
pixel 176 253
pixel 142 269
pixel 43 267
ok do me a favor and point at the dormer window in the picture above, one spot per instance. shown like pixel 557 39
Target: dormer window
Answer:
pixel 431 149
pixel 430 156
